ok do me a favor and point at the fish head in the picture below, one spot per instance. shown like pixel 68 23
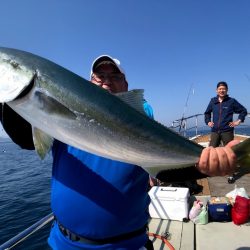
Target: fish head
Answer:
pixel 14 75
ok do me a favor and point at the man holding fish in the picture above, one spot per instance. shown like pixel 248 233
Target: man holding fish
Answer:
pixel 102 203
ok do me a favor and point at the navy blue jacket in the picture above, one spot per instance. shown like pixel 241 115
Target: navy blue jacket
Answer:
pixel 223 113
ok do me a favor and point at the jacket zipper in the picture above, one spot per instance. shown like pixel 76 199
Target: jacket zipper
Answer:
pixel 219 120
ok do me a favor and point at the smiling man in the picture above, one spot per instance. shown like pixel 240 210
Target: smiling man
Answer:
pixel 222 108
pixel 107 73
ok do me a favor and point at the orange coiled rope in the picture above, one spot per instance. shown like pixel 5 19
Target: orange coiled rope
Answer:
pixel 167 243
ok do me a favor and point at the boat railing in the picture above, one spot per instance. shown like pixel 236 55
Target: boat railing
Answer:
pixel 186 125
pixel 27 232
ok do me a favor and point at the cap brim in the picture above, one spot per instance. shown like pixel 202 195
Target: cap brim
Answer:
pixel 103 59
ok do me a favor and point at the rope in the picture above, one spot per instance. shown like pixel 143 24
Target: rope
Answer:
pixel 167 243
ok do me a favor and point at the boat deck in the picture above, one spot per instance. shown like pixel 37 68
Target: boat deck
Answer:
pixel 219 186
pixel 214 235
pixel 188 236
pixel 206 138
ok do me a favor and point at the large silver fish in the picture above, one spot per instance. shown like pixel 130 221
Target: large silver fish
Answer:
pixel 60 104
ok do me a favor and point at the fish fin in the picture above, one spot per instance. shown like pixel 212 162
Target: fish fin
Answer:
pixel 242 151
pixel 42 142
pixel 52 106
pixel 134 98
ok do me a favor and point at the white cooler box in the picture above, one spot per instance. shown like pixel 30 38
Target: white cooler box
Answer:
pixel 170 203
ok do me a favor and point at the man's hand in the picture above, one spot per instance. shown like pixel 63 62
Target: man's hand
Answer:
pixel 210 124
pixel 219 161
pixel 235 123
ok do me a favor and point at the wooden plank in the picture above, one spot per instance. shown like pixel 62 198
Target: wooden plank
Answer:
pixel 181 234
pixel 159 227
pixel 187 240
pixel 218 235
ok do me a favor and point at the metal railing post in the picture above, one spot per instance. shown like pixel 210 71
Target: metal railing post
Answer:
pixel 27 232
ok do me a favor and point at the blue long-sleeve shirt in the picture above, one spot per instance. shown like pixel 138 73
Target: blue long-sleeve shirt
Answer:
pixel 221 113
pixel 97 197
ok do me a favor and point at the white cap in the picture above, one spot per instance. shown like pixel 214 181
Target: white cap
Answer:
pixel 106 59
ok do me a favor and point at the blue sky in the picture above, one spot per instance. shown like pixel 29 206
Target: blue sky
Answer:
pixel 166 47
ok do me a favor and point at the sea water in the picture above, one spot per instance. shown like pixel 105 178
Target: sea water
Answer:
pixel 25 192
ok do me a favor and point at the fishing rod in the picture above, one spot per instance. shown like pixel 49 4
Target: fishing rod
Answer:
pixel 191 89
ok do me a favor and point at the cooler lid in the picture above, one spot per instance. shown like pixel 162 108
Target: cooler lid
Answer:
pixel 161 192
